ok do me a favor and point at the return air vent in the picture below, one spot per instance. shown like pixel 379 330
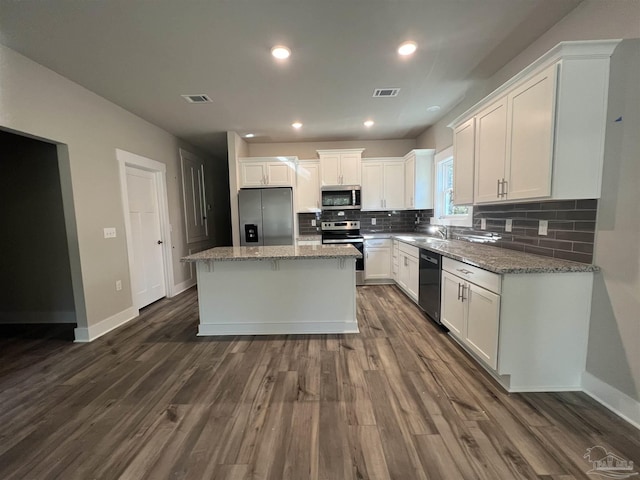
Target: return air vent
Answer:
pixel 386 92
pixel 197 98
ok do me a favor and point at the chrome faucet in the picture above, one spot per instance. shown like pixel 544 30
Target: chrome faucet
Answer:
pixel 441 230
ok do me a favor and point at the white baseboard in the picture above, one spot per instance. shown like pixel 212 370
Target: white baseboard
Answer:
pixel 90 333
pixel 618 402
pixel 38 317
pixel 182 286
pixel 284 328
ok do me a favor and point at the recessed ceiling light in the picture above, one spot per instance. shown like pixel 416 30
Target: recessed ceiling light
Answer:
pixel 407 48
pixel 296 125
pixel 433 108
pixel 249 135
pixel 281 52
pixel 369 123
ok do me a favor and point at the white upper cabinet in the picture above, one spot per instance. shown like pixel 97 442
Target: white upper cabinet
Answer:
pixel 418 179
pixel 267 171
pixel 383 184
pixel 340 167
pixel 308 186
pixel 540 135
pixel 463 162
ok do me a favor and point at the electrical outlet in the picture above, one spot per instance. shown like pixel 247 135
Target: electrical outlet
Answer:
pixel 118 285
pixel 110 232
pixel 313 222
pixel 543 227
pixel 483 224
pixel 508 225
pixel 373 221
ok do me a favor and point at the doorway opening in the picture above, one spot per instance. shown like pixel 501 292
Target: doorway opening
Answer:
pixel 37 294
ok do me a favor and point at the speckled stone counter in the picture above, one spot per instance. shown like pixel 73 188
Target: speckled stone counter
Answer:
pixel 285 252
pixel 275 290
pixel 494 259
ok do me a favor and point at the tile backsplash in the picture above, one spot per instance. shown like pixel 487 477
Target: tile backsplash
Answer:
pixel 570 234
pixel 391 221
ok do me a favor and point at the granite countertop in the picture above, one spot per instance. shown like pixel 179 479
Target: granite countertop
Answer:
pixel 285 252
pixel 494 259
pixel 309 237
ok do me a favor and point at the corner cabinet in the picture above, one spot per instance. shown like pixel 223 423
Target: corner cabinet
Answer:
pixel 418 180
pixel 340 167
pixel 541 134
pixel 267 171
pixel 383 184
pixel 308 186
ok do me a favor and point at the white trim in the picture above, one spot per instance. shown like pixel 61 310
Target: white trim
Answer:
pixel 128 159
pixel 283 328
pixel 178 288
pixel 446 155
pixel 38 317
pixel 618 402
pixel 90 333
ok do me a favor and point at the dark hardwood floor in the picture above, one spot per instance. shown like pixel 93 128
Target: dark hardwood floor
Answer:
pixel 400 401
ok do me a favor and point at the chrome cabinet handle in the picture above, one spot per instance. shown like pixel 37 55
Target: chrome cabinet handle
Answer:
pixel 498 188
pixel 464 287
pixel 504 187
pixel 465 271
pixel 459 285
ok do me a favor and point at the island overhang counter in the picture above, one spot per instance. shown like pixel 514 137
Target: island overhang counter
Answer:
pixel 276 289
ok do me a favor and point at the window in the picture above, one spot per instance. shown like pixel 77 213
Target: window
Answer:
pixel 446 213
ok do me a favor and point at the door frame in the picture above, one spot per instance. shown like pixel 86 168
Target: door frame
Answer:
pixel 127 159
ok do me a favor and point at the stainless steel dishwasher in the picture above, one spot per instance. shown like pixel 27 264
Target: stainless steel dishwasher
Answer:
pixel 429 291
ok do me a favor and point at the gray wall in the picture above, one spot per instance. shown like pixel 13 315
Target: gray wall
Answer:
pixel 35 285
pixel 614 336
pixel 37 101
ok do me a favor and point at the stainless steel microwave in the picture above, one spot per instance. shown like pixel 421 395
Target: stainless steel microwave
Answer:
pixel 341 197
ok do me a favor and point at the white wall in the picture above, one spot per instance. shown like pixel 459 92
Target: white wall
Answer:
pixel 41 103
pixel 236 148
pixel 307 150
pixel 591 20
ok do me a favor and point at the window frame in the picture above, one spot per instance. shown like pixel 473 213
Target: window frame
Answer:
pixel 441 158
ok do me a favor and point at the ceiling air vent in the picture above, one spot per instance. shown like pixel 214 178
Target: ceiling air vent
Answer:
pixel 197 98
pixel 386 92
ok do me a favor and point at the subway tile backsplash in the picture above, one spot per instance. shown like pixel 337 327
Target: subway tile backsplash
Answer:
pixel 396 221
pixel 570 235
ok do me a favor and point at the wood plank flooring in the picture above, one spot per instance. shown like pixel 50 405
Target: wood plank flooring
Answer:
pixel 399 401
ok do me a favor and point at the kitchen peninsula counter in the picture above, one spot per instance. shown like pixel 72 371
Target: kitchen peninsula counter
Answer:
pixel 276 289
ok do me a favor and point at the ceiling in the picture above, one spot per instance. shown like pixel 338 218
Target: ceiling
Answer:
pixel 144 54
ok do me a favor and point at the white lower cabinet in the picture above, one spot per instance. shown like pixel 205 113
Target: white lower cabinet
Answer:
pixel 409 270
pixel 377 261
pixel 471 313
pixel 395 251
pixel 529 330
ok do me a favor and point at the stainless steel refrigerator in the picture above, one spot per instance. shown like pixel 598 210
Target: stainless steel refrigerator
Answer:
pixel 266 216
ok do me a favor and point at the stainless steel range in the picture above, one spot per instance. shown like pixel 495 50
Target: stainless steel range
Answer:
pixel 347 231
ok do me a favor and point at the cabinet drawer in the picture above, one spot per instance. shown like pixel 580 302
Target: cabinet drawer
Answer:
pixel 377 242
pixel 489 280
pixel 409 250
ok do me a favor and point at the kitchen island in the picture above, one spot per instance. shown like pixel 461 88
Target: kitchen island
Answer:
pixel 276 289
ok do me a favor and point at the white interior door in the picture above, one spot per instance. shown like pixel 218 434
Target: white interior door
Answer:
pixel 147 269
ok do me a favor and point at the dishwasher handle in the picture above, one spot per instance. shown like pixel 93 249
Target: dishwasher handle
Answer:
pixel 426 257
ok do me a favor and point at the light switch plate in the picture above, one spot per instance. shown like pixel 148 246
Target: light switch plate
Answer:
pixel 483 224
pixel 543 227
pixel 373 221
pixel 313 222
pixel 118 285
pixel 110 232
pixel 508 225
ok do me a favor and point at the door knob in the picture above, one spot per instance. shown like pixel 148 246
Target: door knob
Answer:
pixel 160 242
